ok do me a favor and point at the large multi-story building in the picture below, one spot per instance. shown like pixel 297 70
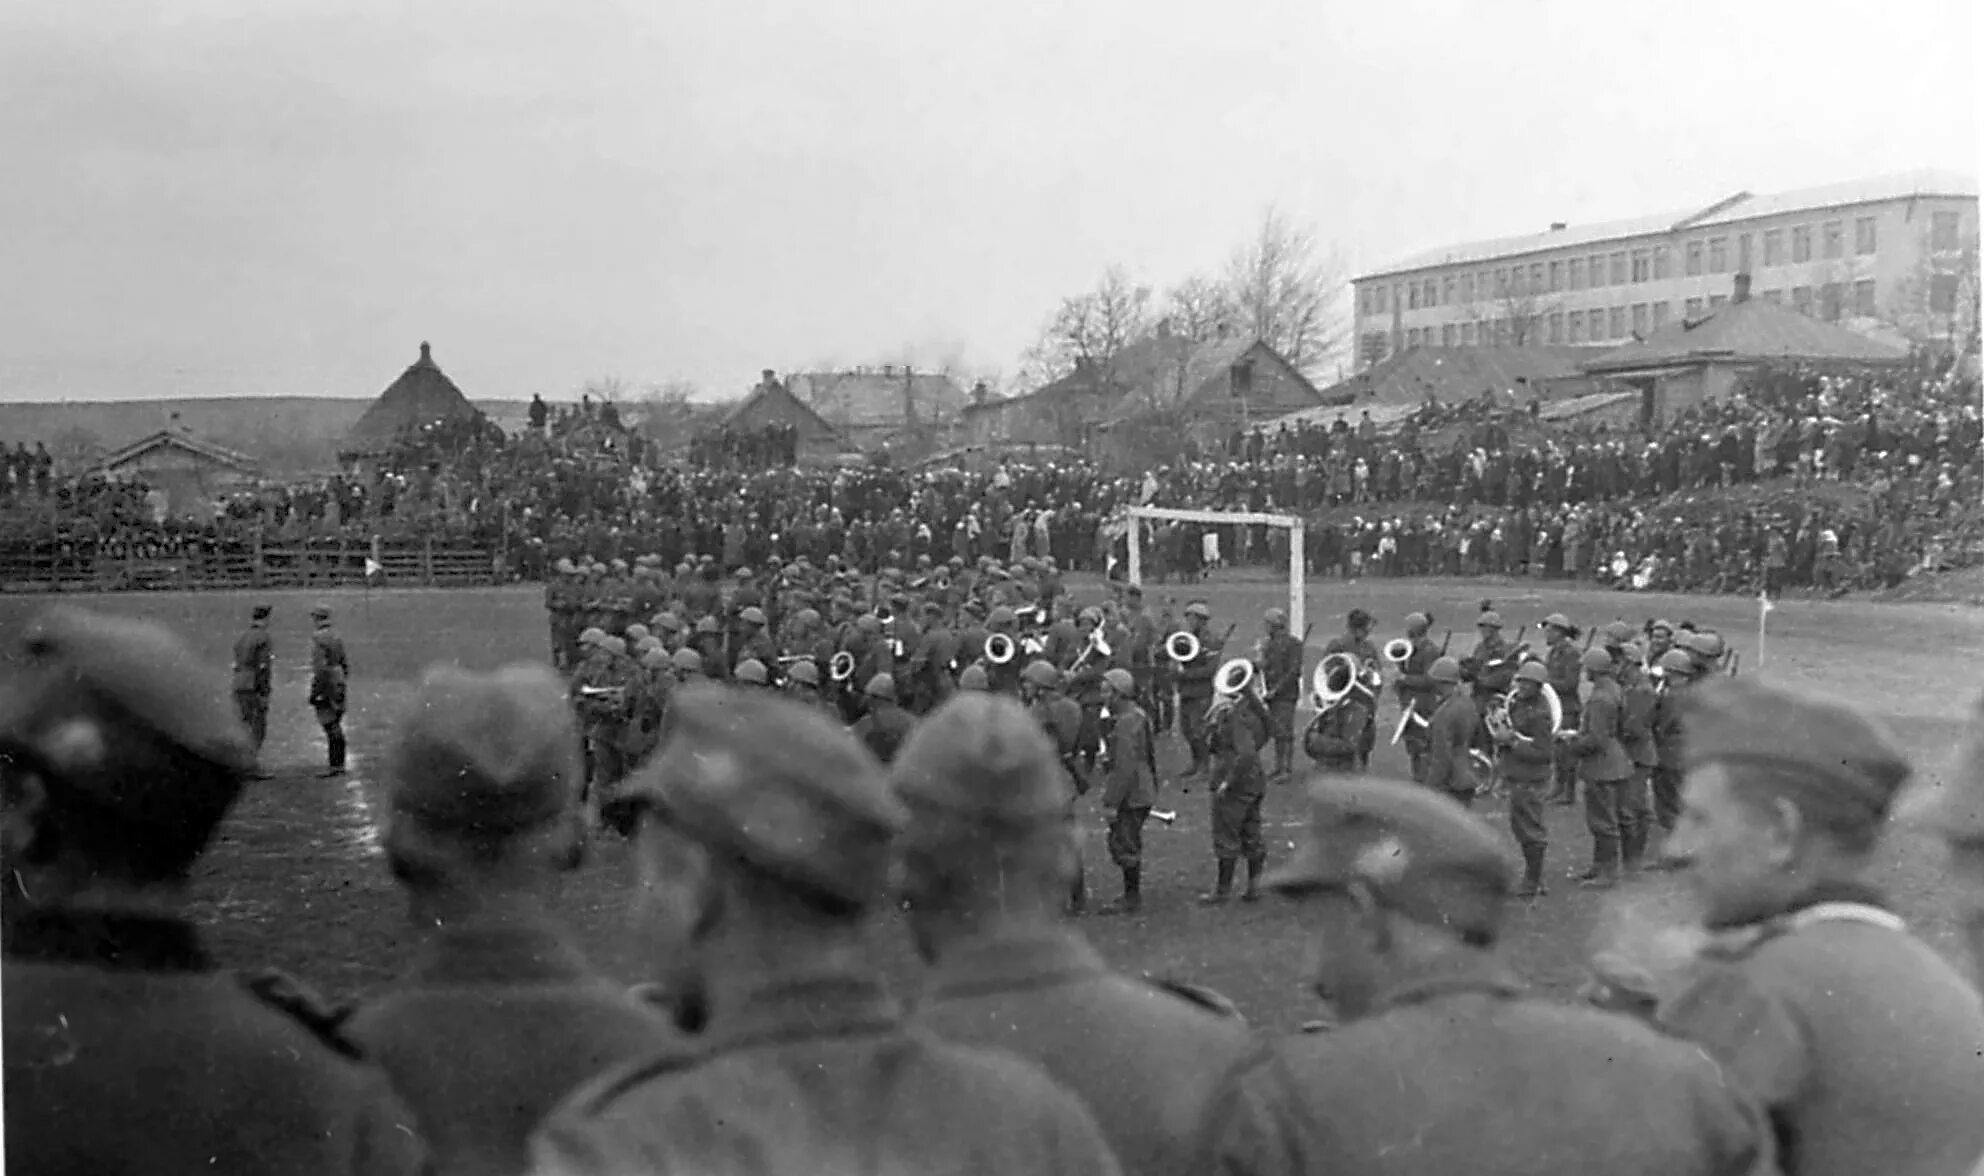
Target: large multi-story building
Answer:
pixel 1901 250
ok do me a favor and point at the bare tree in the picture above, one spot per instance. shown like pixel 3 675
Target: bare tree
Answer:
pixel 668 415
pixel 1197 306
pixel 1288 291
pixel 1936 302
pixel 1091 328
pixel 605 389
pixel 75 449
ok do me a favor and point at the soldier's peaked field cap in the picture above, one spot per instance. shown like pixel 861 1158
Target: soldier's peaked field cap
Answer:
pixel 1419 853
pixel 780 786
pixel 1824 744
pixel 81 679
pixel 484 753
pixel 1488 620
pixel 982 759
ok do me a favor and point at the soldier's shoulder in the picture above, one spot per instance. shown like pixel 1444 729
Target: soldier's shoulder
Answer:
pixel 600 1095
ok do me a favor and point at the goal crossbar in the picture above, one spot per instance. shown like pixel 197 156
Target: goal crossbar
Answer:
pixel 1297 622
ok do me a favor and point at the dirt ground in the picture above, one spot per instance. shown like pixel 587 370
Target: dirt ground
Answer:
pixel 295 879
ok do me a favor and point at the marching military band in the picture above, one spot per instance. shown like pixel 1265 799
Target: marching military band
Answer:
pixel 934 733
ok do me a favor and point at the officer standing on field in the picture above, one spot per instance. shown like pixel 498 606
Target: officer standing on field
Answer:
pixel 329 672
pixel 254 675
pixel 1564 661
pixel 1605 767
pixel 1281 679
pixel 764 862
pixel 1527 748
pixel 1449 767
pixel 1443 1063
pixel 1865 1045
pixel 126 1049
pixel 1129 785
pixel 989 848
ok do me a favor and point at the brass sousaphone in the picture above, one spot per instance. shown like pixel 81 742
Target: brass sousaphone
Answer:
pixel 1000 649
pixel 1181 646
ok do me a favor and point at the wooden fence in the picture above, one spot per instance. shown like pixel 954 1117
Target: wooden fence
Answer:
pixel 45 566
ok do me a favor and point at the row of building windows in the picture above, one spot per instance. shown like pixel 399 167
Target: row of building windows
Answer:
pixel 1621 267
pixel 1606 324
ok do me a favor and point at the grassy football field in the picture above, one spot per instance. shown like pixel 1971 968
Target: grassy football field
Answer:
pixel 295 879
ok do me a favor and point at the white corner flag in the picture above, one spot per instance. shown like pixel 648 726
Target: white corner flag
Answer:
pixel 1763 622
pixel 373 567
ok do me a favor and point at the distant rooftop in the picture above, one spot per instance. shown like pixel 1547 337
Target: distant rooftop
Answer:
pixel 1739 206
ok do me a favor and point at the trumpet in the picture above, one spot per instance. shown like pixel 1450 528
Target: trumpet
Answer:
pixel 1097 644
pixel 1397 650
pixel 1234 679
pixel 1182 646
pixel 1000 649
pixel 841 668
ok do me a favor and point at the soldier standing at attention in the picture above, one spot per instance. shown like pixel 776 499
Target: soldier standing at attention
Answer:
pixel 1449 733
pixel 986 857
pixel 1129 788
pixel 328 674
pixel 1195 679
pixel 1239 731
pixel 1562 658
pixel 1527 748
pixel 1443 1062
pixel 1865 1045
pixel 484 815
pixel 126 1050
pixel 1355 640
pixel 1605 767
pixel 1281 679
pixel 1141 644
pixel 254 676
pixel 763 861
pixel 1416 690
pixel 1676 674
pixel 1639 708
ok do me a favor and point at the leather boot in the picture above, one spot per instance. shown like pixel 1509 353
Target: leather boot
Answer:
pixel 1223 888
pixel 1255 867
pixel 1532 873
pixel 1604 871
pixel 1632 848
pixel 1133 893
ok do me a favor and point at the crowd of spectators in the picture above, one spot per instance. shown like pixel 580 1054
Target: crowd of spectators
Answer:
pixel 1799 479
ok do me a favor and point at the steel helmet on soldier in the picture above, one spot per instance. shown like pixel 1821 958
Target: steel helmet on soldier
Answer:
pixel 1041 673
pixel 804 672
pixel 751 672
pixel 881 686
pixel 1444 669
pixel 1532 671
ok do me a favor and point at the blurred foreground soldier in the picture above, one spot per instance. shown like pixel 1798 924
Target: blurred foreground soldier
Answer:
pixel 1449 768
pixel 328 673
pixel 501 1015
pixel 986 859
pixel 1954 811
pixel 1443 1063
pixel 885 725
pixel 1865 1045
pixel 254 676
pixel 126 1051
pixel 1129 788
pixel 762 863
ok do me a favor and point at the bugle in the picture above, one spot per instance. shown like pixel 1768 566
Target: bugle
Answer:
pixel 1182 646
pixel 1397 650
pixel 1407 721
pixel 841 668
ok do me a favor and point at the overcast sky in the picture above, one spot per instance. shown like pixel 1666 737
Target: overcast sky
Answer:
pixel 286 198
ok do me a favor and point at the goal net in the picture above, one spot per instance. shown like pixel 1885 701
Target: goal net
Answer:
pixel 1142 517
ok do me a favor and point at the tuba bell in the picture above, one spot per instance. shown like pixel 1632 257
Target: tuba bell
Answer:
pixel 1182 646
pixel 1000 649
pixel 1335 677
pixel 841 668
pixel 1397 650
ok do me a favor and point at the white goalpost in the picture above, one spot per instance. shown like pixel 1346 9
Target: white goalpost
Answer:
pixel 1297 611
